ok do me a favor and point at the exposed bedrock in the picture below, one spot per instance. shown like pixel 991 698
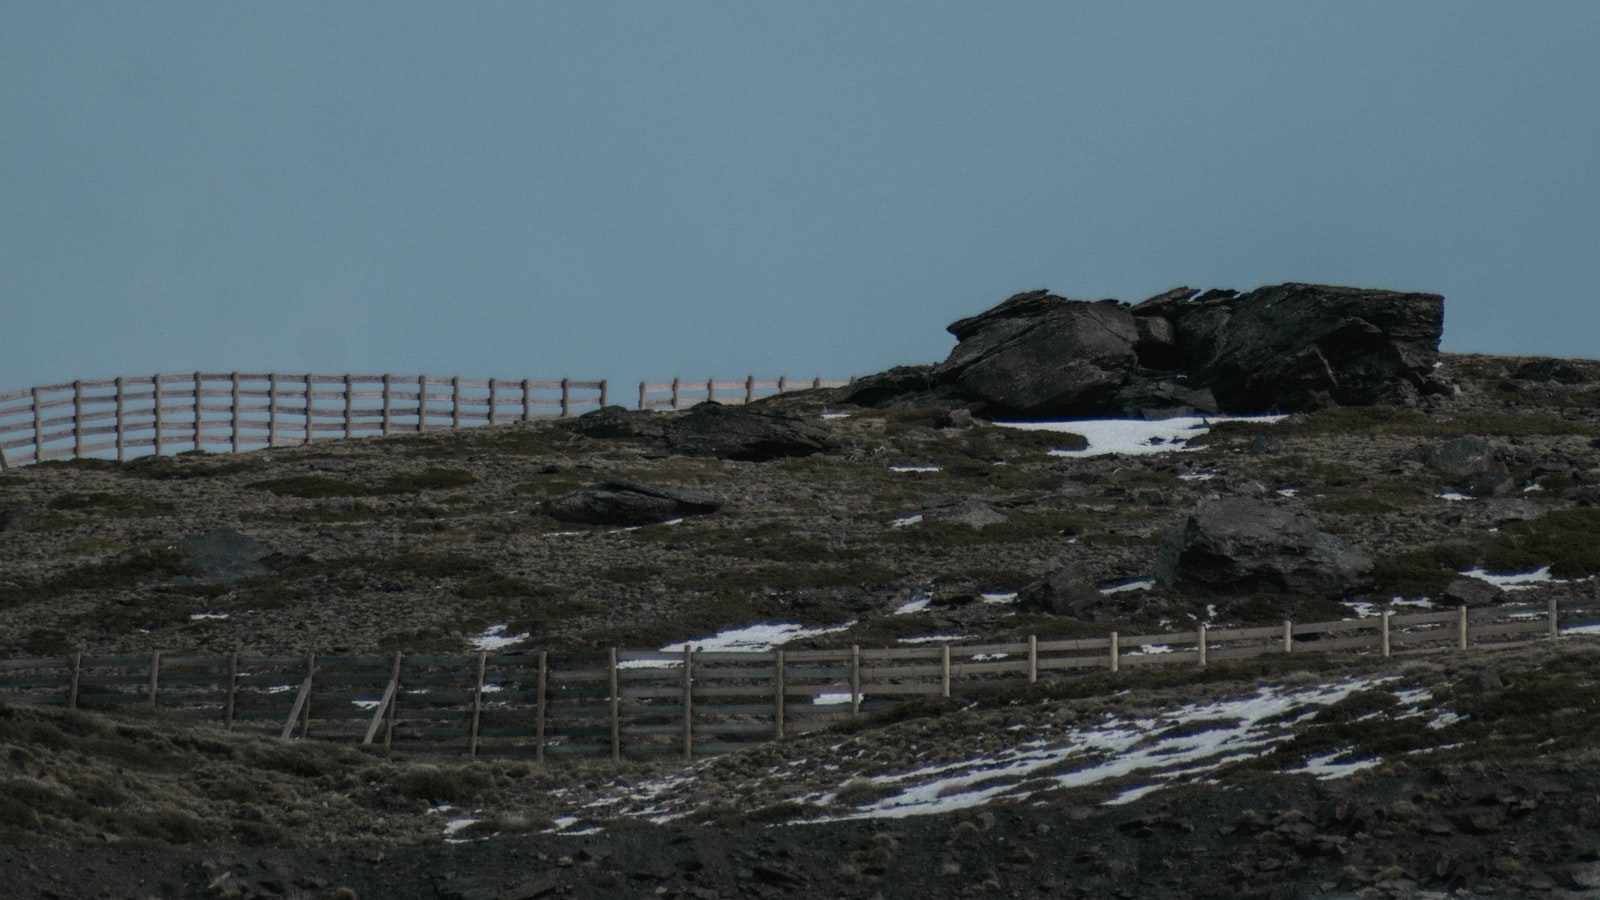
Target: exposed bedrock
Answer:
pixel 1290 347
pixel 1244 546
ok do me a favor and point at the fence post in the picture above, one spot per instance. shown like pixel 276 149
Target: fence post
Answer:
pixel 233 385
pixel 233 689
pixel 1384 626
pixel 944 671
pixel 305 712
pixel 855 679
pixel 1461 627
pixel 309 430
pixel 38 429
pixel 394 702
pixel 77 419
pixel 1033 658
pixel 455 401
pixel 122 439
pixel 155 383
pixel 1288 636
pixel 688 702
pixel 1116 652
pixel 388 402
pixel 527 400
pixel 494 398
pixel 422 403
pixel 349 408
pixel 777 696
pixel 198 412
pixel 566 397
pixel 816 383
pixel 539 706
pixel 676 386
pixel 603 389
pixel 1555 621
pixel 477 706
pixel 1200 642
pixel 783 383
pixel 72 687
pixel 711 390
pixel 616 710
pixel 155 677
pixel 272 409
pixel 749 389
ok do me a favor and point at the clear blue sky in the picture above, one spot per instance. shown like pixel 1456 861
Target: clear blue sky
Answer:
pixel 629 189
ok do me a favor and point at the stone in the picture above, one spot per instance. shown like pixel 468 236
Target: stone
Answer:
pixel 1063 592
pixel 15 520
pixel 616 422
pixel 746 433
pixel 626 503
pixel 1240 545
pixel 1472 592
pixel 1462 458
pixel 225 555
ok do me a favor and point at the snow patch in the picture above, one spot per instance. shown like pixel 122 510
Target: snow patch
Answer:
pixel 754 638
pixel 495 637
pixel 913 468
pixel 906 521
pixel 1514 581
pixel 1137 584
pixel 1134 437
pixel 998 597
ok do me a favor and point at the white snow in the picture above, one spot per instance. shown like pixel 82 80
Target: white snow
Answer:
pixel 1361 608
pixel 831 698
pixel 1454 496
pixel 1137 584
pixel 1134 436
pixel 918 602
pixel 1197 476
pixel 1591 628
pixel 1328 768
pixel 913 468
pixel 454 826
pixel 280 688
pixel 1287 492
pixel 1419 602
pixel 754 638
pixel 195 617
pixel 835 415
pixel 931 638
pixel 905 521
pixel 997 597
pixel 1514 581
pixel 495 637
pixel 369 704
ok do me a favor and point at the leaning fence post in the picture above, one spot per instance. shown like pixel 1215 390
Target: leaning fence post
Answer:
pixel 72 687
pixel 122 437
pixel 305 712
pixel 1288 636
pixel 777 695
pixel 688 702
pixel 1384 624
pixel 944 671
pixel 616 710
pixel 155 383
pixel 855 679
pixel 1116 652
pixel 477 706
pixel 77 419
pixel 1200 642
pixel 1555 622
pixel 1461 627
pixel 389 715
pixel 155 677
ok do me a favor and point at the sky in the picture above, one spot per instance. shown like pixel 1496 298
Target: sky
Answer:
pixel 644 190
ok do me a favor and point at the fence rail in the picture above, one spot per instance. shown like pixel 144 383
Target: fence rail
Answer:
pixel 234 411
pixel 638 703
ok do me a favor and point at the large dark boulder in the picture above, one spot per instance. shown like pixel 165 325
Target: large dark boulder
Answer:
pixel 1298 347
pixel 1041 355
pixel 1244 546
pixel 625 503
pixel 616 422
pixel 225 555
pixel 1463 458
pixel 743 433
pixel 1063 592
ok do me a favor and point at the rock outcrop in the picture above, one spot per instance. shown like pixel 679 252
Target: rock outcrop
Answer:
pixel 1291 347
pixel 225 555
pixel 624 503
pixel 710 429
pixel 1244 546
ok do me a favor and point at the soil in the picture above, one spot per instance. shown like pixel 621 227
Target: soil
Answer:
pixel 1483 785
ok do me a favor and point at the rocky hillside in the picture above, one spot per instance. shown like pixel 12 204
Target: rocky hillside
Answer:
pixel 1385 476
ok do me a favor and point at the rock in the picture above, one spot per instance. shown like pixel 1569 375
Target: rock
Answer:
pixel 225 555
pixel 1463 458
pixel 1040 355
pixel 743 433
pixel 1493 484
pixel 1294 347
pixel 616 422
pixel 1472 592
pixel 1560 371
pixel 15 520
pixel 1064 592
pixel 623 503
pixel 1239 546
pixel 898 386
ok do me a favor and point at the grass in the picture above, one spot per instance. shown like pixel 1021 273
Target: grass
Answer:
pixel 109 503
pixel 316 487
pixel 1386 420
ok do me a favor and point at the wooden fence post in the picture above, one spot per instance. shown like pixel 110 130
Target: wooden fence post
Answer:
pixel 642 404
pixel 309 430
pixel 749 389
pixel 38 428
pixel 603 389
pixel 77 419
pixel 944 671
pixel 1461 627
pixel 527 400
pixel 566 397
pixel 305 712
pixel 816 383
pixel 156 387
pixel 455 401
pixel 272 409
pixel 422 403
pixel 783 383
pixel 1200 642
pixel 122 437
pixel 688 702
pixel 1033 658
pixel 233 689
pixel 349 408
pixel 1288 636
pixel 1116 652
pixel 677 386
pixel 616 710
pixel 477 706
pixel 855 678
pixel 777 695
pixel 539 714
pixel 711 390
pixel 380 713
pixel 388 402
pixel 199 413
pixel 394 702
pixel 494 398
pixel 72 686
pixel 1555 619
pixel 155 677
pixel 233 384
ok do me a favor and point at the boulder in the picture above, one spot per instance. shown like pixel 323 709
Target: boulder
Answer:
pixel 1063 592
pixel 1463 458
pixel 1471 592
pixel 624 503
pixel 1244 546
pixel 744 433
pixel 225 555
pixel 1294 347
pixel 1040 355
pixel 616 422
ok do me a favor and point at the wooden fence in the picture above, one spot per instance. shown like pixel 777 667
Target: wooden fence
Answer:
pixel 639 703
pixel 233 411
